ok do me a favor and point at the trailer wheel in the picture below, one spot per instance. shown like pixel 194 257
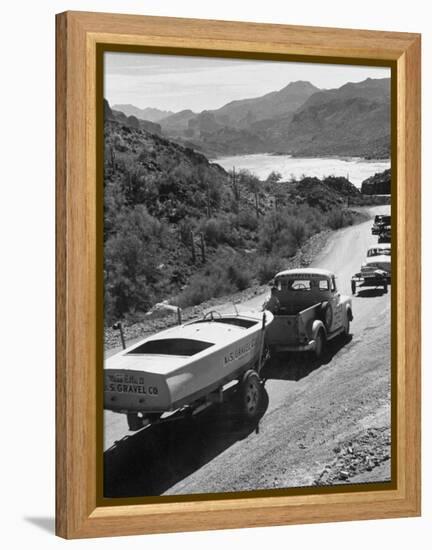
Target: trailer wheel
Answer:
pixel 353 287
pixel 250 395
pixel 135 422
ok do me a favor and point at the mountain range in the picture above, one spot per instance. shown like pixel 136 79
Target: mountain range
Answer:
pixel 299 119
pixel 149 113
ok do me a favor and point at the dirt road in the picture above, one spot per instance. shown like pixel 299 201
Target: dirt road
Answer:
pixel 321 424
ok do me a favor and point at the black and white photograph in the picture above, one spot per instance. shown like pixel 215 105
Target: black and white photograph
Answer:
pixel 247 275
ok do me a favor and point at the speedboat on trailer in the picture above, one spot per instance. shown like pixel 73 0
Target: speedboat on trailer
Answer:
pixel 187 366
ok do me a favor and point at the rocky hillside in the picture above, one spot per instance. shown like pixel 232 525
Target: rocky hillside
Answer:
pixel 379 184
pixel 243 113
pixel 351 120
pixel 132 121
pixel 177 124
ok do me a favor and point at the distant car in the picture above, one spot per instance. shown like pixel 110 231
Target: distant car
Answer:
pixel 379 257
pixel 379 222
pixel 376 270
pixel 385 234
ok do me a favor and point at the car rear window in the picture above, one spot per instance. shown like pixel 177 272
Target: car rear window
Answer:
pixel 301 285
pixel 171 346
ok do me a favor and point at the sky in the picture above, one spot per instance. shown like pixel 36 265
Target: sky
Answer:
pixel 175 83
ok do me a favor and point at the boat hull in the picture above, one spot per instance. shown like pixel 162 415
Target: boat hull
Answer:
pixel 139 389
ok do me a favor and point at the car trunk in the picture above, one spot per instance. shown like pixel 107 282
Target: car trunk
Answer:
pixel 292 329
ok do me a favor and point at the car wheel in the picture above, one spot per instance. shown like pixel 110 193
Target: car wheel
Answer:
pixel 346 331
pixel 319 344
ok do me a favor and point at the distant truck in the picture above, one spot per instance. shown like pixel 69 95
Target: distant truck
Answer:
pixel 308 311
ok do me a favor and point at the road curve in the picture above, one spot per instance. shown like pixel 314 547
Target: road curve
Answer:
pixel 349 393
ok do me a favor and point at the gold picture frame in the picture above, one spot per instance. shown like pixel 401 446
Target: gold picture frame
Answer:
pixel 81 39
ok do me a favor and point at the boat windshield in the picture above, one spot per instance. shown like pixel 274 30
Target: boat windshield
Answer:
pixel 171 346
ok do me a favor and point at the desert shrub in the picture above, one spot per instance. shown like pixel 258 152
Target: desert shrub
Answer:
pixel 220 230
pixel 248 220
pixel 274 177
pixel 349 217
pixel 213 230
pixel 185 227
pixel 132 260
pixel 119 143
pixel 313 218
pixel 267 267
pixel 281 234
pixel 336 219
pixel 227 273
pixel 139 188
pixel 297 229
pixel 271 230
pixel 238 274
pixel 128 271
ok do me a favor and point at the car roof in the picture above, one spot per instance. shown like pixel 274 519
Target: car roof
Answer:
pixel 312 271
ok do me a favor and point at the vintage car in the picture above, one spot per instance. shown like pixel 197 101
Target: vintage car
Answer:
pixel 308 311
pixel 186 368
pixel 379 256
pixel 384 235
pixel 376 270
pixel 379 221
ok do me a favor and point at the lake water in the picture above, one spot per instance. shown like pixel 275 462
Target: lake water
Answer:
pixel 355 169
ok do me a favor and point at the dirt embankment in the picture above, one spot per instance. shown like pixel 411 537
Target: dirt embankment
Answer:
pixel 359 455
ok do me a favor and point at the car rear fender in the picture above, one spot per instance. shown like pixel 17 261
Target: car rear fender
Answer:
pixel 316 326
